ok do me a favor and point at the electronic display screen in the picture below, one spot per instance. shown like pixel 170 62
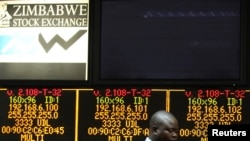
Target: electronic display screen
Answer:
pixel 44 40
pixel 115 113
pixel 135 56
pixel 205 107
pixel 170 40
pixel 37 114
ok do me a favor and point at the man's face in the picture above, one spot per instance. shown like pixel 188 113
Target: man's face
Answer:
pixel 167 135
pixel 168 131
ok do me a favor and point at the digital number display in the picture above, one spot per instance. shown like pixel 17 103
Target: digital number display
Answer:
pixel 203 107
pixel 118 114
pixel 37 114
pixel 115 114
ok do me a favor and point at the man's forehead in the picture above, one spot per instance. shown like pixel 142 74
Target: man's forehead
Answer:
pixel 168 121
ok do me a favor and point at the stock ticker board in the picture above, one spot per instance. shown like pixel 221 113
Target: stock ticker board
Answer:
pixel 115 114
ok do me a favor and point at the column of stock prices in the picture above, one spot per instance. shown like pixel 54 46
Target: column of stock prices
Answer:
pixel 114 114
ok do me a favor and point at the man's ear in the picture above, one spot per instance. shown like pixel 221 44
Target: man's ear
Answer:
pixel 154 129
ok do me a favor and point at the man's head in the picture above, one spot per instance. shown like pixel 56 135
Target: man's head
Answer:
pixel 163 126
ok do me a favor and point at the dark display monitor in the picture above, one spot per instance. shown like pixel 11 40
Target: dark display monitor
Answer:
pixel 197 42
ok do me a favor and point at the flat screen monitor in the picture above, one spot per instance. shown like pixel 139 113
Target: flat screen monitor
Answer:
pixel 166 42
pixel 42 40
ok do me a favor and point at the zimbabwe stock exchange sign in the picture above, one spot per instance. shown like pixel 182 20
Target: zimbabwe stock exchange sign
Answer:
pixel 44 40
